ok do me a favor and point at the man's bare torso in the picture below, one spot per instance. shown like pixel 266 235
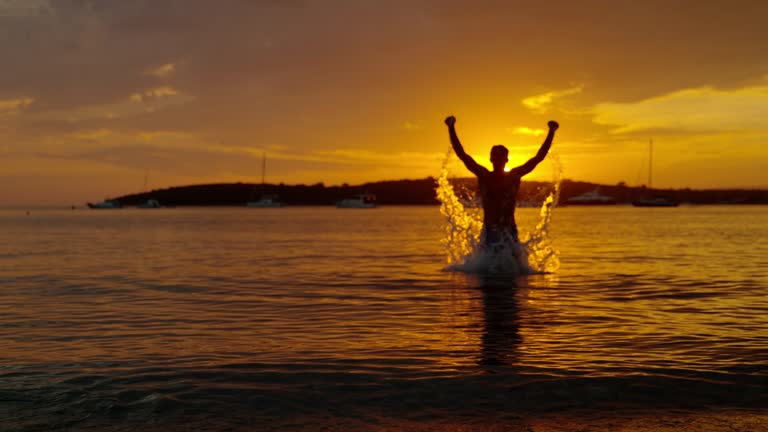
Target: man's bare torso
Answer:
pixel 499 193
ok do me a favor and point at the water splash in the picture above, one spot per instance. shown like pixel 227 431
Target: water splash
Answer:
pixel 534 253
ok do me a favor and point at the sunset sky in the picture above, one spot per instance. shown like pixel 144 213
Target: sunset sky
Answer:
pixel 96 96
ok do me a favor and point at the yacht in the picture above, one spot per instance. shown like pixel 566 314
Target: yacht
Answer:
pixel 591 198
pixel 265 201
pixel 364 200
pixel 653 201
pixel 106 204
pixel 151 203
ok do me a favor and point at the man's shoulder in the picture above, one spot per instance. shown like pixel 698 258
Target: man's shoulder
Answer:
pixel 481 171
pixel 514 173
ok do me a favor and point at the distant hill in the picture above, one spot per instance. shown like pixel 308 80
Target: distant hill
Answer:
pixel 626 194
pixel 402 192
pixel 418 192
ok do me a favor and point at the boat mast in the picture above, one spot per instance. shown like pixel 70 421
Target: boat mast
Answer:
pixel 650 162
pixel 263 167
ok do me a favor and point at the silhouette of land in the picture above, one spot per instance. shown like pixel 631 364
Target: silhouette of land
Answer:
pixel 420 192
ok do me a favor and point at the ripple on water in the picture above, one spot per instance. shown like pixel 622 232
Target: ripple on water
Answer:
pixel 226 333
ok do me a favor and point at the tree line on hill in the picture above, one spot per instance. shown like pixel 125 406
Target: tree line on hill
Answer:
pixel 398 192
pixel 419 192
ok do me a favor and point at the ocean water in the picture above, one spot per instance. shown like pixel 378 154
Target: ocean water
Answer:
pixel 338 319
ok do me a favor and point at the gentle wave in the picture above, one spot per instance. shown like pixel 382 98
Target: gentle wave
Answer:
pixel 350 389
pixel 150 321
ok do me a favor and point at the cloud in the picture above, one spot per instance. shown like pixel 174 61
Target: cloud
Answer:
pixel 153 94
pixel 22 8
pixel 163 71
pixel 165 152
pixel 14 106
pixel 92 135
pixel 151 100
pixel 696 109
pixel 412 125
pixel 527 131
pixel 541 103
pixel 169 160
pixel 353 156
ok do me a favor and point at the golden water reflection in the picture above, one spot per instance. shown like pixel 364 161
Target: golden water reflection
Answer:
pixel 86 290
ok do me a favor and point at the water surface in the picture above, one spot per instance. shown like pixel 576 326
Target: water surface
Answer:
pixel 325 319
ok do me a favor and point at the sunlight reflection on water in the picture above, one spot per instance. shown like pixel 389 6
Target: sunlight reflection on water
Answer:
pixel 253 313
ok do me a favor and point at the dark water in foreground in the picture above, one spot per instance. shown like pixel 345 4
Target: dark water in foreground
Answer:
pixel 326 319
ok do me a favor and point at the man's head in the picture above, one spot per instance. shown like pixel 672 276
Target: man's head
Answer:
pixel 499 157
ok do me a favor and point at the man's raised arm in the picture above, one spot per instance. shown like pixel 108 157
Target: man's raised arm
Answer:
pixel 542 153
pixel 456 144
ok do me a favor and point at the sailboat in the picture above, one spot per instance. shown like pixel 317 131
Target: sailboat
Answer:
pixel 266 200
pixel 106 204
pixel 593 197
pixel 656 201
pixel 363 200
pixel 151 203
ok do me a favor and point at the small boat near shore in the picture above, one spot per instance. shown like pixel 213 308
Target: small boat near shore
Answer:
pixel 653 201
pixel 106 204
pixel 364 200
pixel 150 204
pixel 266 201
pixel 591 198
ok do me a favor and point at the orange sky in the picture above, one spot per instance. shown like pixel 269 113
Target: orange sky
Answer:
pixel 94 96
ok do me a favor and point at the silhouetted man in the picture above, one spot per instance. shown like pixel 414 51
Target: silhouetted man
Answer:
pixel 498 189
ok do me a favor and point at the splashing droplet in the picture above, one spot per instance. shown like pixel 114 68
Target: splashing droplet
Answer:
pixel 535 253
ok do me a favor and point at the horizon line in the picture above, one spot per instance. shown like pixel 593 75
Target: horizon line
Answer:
pixel 43 205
